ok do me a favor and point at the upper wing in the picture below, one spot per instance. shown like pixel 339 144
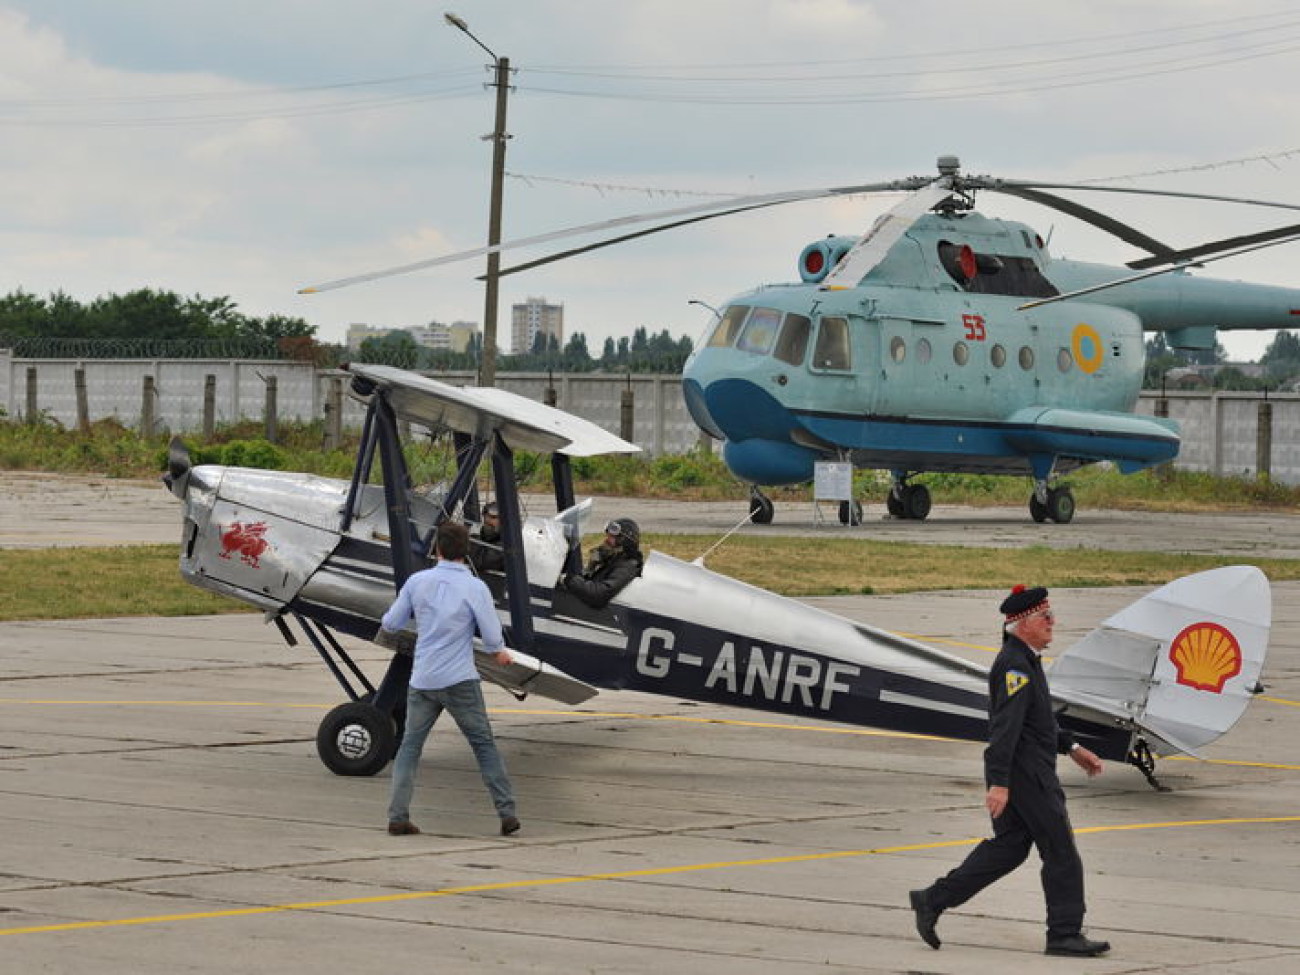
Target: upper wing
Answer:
pixel 481 411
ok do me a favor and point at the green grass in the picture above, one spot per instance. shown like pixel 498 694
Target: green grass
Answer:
pixel 71 583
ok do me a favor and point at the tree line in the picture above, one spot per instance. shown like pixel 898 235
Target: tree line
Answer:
pixel 155 323
pixel 1167 367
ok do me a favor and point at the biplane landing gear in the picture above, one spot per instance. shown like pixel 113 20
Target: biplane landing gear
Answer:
pixel 1141 757
pixel 1056 504
pixel 356 739
pixel 761 508
pixel 908 501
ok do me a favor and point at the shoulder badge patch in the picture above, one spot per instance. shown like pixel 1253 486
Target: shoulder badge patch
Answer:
pixel 1015 681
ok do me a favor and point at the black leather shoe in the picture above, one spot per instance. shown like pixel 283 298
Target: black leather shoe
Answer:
pixel 509 825
pixel 1076 946
pixel 926 918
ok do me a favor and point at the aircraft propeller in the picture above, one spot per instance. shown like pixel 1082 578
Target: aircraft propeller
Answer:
pixel 949 189
pixel 179 465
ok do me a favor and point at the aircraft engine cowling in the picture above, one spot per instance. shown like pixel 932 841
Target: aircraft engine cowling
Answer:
pixel 818 258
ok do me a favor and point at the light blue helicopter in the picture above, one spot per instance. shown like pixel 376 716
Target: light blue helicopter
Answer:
pixel 944 340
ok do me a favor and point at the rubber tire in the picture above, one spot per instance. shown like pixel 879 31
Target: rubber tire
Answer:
pixel 369 734
pixel 850 512
pixel 1037 510
pixel 916 501
pixel 894 505
pixel 761 509
pixel 1060 505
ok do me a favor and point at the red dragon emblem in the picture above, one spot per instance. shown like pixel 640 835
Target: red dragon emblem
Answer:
pixel 246 539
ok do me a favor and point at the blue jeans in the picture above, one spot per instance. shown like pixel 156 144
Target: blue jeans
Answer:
pixel 465 702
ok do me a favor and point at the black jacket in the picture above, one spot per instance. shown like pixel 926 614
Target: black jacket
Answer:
pixel 1024 739
pixel 607 572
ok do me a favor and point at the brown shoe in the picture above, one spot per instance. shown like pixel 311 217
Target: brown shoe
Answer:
pixel 402 827
pixel 509 825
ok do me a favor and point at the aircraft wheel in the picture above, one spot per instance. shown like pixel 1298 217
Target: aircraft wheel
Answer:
pixel 356 739
pixel 894 505
pixel 850 512
pixel 1037 510
pixel 1060 505
pixel 761 509
pixel 916 501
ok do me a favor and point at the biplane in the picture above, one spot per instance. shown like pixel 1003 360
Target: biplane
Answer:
pixel 324 558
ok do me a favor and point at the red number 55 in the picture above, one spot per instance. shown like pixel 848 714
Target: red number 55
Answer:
pixel 974 327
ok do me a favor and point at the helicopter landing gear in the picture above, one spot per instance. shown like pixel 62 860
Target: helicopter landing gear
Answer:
pixel 908 501
pixel 1051 504
pixel 850 512
pixel 761 508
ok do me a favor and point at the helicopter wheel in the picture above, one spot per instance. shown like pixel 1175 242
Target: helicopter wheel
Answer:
pixel 850 512
pixel 1060 505
pixel 356 739
pixel 1037 510
pixel 916 502
pixel 761 508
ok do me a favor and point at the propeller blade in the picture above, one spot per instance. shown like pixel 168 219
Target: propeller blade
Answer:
pixel 872 246
pixel 1295 235
pixel 733 204
pixel 1100 220
pixel 574 251
pixel 178 467
pixel 1279 234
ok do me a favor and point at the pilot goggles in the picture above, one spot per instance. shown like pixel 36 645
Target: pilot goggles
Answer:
pixel 614 528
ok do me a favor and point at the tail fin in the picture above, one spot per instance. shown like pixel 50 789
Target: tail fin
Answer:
pixel 1178 666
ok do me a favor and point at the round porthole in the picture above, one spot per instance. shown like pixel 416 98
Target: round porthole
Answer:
pixel 1064 360
pixel 1026 357
pixel 998 356
pixel 961 353
pixel 923 351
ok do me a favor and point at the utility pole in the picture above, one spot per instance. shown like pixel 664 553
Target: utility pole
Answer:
pixel 488 358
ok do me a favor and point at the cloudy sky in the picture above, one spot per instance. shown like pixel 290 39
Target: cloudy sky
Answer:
pixel 251 148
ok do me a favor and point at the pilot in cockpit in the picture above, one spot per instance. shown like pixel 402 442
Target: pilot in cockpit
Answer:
pixel 614 563
pixel 485 553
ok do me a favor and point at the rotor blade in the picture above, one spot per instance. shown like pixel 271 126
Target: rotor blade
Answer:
pixel 1156 273
pixel 1100 220
pixel 1010 185
pixel 872 246
pixel 734 203
pixel 574 251
pixel 1228 243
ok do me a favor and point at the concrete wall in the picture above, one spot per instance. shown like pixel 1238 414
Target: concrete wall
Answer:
pixel 1220 429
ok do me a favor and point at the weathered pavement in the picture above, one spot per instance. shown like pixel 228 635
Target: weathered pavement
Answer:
pixel 163 811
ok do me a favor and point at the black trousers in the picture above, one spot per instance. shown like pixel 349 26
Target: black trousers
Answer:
pixel 1035 816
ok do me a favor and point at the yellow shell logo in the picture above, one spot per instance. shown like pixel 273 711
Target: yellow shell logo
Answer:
pixel 1206 656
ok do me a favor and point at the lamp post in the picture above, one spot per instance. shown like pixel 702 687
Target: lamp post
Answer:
pixel 488 360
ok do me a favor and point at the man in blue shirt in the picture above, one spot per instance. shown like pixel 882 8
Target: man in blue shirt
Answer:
pixel 448 604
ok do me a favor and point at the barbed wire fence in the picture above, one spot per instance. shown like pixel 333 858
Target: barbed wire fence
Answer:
pixel 45 347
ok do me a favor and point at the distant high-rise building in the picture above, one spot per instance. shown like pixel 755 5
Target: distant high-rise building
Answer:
pixel 533 317
pixel 455 337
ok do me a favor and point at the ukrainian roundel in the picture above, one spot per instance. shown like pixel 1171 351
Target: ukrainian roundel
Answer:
pixel 1206 656
pixel 1087 347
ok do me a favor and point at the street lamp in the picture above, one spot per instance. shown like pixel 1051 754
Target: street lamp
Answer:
pixel 488 362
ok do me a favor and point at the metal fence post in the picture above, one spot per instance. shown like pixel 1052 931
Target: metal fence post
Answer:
pixel 148 395
pixel 33 413
pixel 83 400
pixel 1264 438
pixel 269 411
pixel 209 406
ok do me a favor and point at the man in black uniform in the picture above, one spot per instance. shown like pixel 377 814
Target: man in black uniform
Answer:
pixel 1024 796
pixel 614 563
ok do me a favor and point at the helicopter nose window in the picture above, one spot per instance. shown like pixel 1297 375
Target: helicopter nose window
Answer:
pixel 793 343
pixel 728 326
pixel 760 331
pixel 832 350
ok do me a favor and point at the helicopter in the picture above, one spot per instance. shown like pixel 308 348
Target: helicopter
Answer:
pixel 324 557
pixel 943 340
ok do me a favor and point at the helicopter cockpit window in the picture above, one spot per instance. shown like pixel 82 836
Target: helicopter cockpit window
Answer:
pixel 725 334
pixel 832 349
pixel 760 331
pixel 793 343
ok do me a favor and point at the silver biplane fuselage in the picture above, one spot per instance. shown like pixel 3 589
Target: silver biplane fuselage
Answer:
pixel 331 553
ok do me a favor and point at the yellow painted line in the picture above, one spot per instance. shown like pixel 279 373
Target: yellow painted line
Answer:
pixel 594 877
